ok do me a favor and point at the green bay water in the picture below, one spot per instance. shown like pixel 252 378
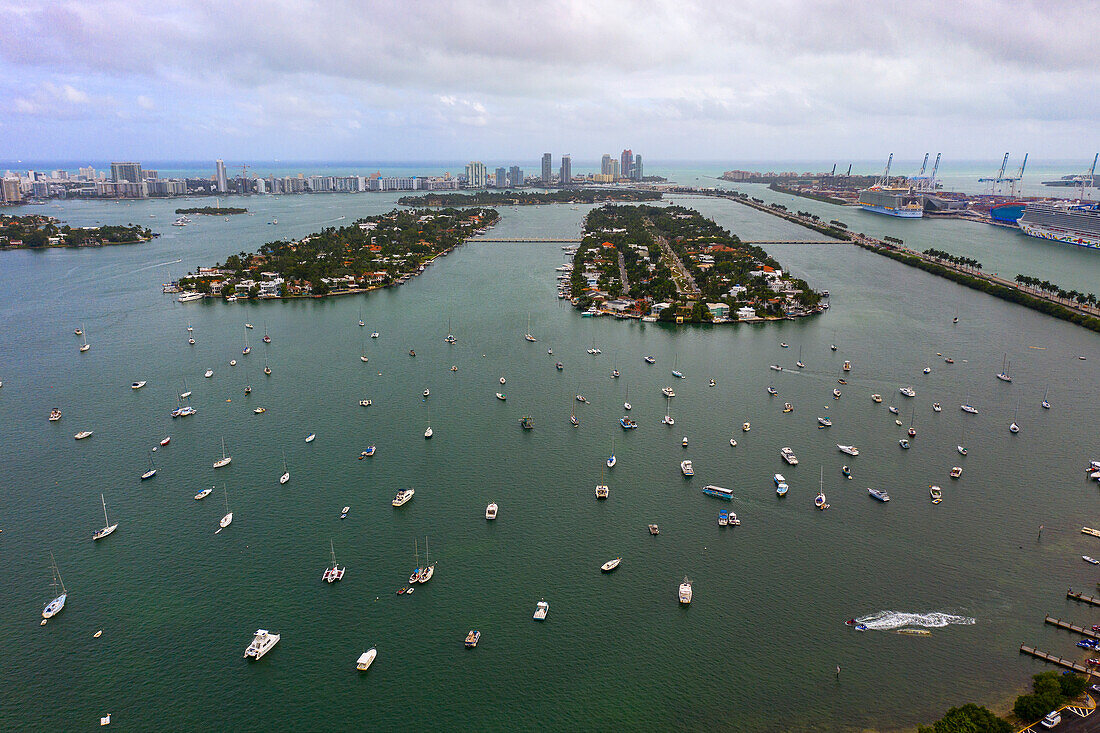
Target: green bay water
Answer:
pixel 756 650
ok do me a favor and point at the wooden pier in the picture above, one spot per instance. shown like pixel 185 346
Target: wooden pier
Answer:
pixel 1071 627
pixel 1067 663
pixel 1079 596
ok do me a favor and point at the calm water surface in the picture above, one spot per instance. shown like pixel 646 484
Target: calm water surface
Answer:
pixel 177 604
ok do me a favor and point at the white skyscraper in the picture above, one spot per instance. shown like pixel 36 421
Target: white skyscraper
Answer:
pixel 223 183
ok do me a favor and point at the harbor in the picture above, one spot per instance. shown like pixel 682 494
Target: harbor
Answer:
pixel 263 571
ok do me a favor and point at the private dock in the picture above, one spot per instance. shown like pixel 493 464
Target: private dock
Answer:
pixel 1071 627
pixel 1067 663
pixel 1079 596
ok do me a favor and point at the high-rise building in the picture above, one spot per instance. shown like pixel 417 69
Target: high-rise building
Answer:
pixel 9 192
pixel 566 173
pixel 626 162
pixel 88 174
pixel 614 169
pixel 476 174
pixel 129 172
pixel 637 172
pixel 547 169
pixel 219 170
pixel 501 178
pixel 515 176
pixel 605 164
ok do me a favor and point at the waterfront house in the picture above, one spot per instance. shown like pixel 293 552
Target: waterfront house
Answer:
pixel 746 313
pixel 720 311
pixel 657 308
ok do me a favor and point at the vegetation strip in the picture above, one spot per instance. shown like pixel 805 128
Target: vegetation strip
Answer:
pixel 34 230
pixel 525 198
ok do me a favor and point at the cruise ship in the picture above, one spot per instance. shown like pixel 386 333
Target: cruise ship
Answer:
pixel 1070 223
pixel 892 201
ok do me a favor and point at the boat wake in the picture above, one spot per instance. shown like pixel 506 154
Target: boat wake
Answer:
pixel 889 620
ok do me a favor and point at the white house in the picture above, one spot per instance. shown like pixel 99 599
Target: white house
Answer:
pixel 745 313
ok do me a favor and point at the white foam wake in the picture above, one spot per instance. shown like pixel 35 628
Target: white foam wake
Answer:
pixel 887 620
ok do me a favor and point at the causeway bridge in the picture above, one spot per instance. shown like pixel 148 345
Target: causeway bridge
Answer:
pixel 552 240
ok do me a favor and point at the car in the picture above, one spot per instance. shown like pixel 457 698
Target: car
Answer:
pixel 1052 719
pixel 1094 688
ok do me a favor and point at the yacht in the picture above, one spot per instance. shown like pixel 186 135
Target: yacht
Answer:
pixel 472 638
pixel 878 494
pixel 54 607
pixel 261 644
pixel 824 422
pixel 189 296
pixel 334 573
pixel 686 468
pixel 610 565
pixel 948 360
pixel 936 493
pixel 685 592
pixel 373 335
pixel 260 410
pixel 249 326
pixel 403 497
pixel 927 370
pixel 83 434
pixel 956 472
pixel 969 408
pixel 649 360
pixel 344 512
pixel 580 398
pixel 541 609
pixel 819 501
pixel 849 449
pixel 789 456
pixel 602 491
pixel 654 529
pixel 365 403
pixel 108 528
pixel 712 383
pixel 85 346
pixel 733 442
pixel 366 659
pixel 203 494
pixel 491 511
pixel 286 472
pixel 427 392
pixel 527 423
pixel 611 461
pixel 907 391
pixel 137 385
pixel 55 414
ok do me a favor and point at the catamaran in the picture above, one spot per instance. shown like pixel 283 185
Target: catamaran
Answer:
pixel 684 593
pixel 108 528
pixel 334 573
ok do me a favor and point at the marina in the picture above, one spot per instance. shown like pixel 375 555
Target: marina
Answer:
pixel 257 573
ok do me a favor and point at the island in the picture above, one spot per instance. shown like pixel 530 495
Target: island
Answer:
pixel 35 231
pixel 370 253
pixel 524 198
pixel 670 263
pixel 213 210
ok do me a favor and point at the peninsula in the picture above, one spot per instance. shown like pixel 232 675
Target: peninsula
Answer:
pixel 672 264
pixel 524 198
pixel 373 252
pixel 34 230
pixel 213 210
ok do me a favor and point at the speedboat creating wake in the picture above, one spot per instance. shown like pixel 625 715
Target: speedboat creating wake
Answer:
pixel 890 620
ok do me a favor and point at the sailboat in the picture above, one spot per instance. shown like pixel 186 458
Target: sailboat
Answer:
pixel 152 470
pixel 573 414
pixel 528 335
pixel 286 472
pixel 190 338
pixel 415 577
pixel 54 607
pixel 667 419
pixel 224 460
pixel 961 447
pixel 86 345
pixel 626 404
pixel 819 500
pixel 912 432
pixel 429 568
pixel 611 459
pixel 334 573
pixel 1003 376
pixel 361 324
pixel 967 407
pixel 267 369
pixel 676 370
pixel 428 433
pixel 1046 405
pixel 450 339
pixel 228 518
pixel 108 528
pixel 956 318
pixel 267 339
pixel 799 363
pixel 247 349
pixel 363 356
pixel 1013 427
pixel 601 488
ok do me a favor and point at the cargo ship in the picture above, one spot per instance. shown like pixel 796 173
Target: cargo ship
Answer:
pixel 1063 222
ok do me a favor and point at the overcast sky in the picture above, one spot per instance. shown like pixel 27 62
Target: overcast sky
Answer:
pixel 678 80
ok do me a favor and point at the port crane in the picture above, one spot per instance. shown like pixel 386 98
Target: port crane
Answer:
pixel 1089 179
pixel 927 183
pixel 1001 179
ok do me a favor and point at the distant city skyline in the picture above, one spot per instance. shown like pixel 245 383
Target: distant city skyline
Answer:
pixel 490 81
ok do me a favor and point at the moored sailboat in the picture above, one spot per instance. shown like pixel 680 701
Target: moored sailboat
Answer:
pixel 108 528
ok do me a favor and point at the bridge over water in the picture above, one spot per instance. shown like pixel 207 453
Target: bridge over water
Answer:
pixel 551 240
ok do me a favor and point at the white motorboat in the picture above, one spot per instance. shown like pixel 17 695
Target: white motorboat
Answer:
pixel 55 414
pixel 54 607
pixel 733 442
pixel 108 528
pixel 849 449
pixel 686 468
pixel 937 407
pixel 667 392
pixel 365 403
pixel 232 362
pixel 491 510
pixel 746 427
pixel 610 565
pixel 907 391
pixel 344 512
pixel 428 433
pixel 374 335
pixel 541 609
pixel 684 442
pixel 83 434
pixel 311 437
pixel 137 385
pixel 427 392
pixel 501 397
pixel 684 593
pixel 209 373
pixel 403 497
pixel 789 456
pixel 261 644
pixel 203 494
pixel 879 494
pixel 366 658
pixel 876 398
pixel 224 460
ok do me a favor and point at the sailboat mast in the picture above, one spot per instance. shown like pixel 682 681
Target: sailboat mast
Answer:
pixel 106 521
